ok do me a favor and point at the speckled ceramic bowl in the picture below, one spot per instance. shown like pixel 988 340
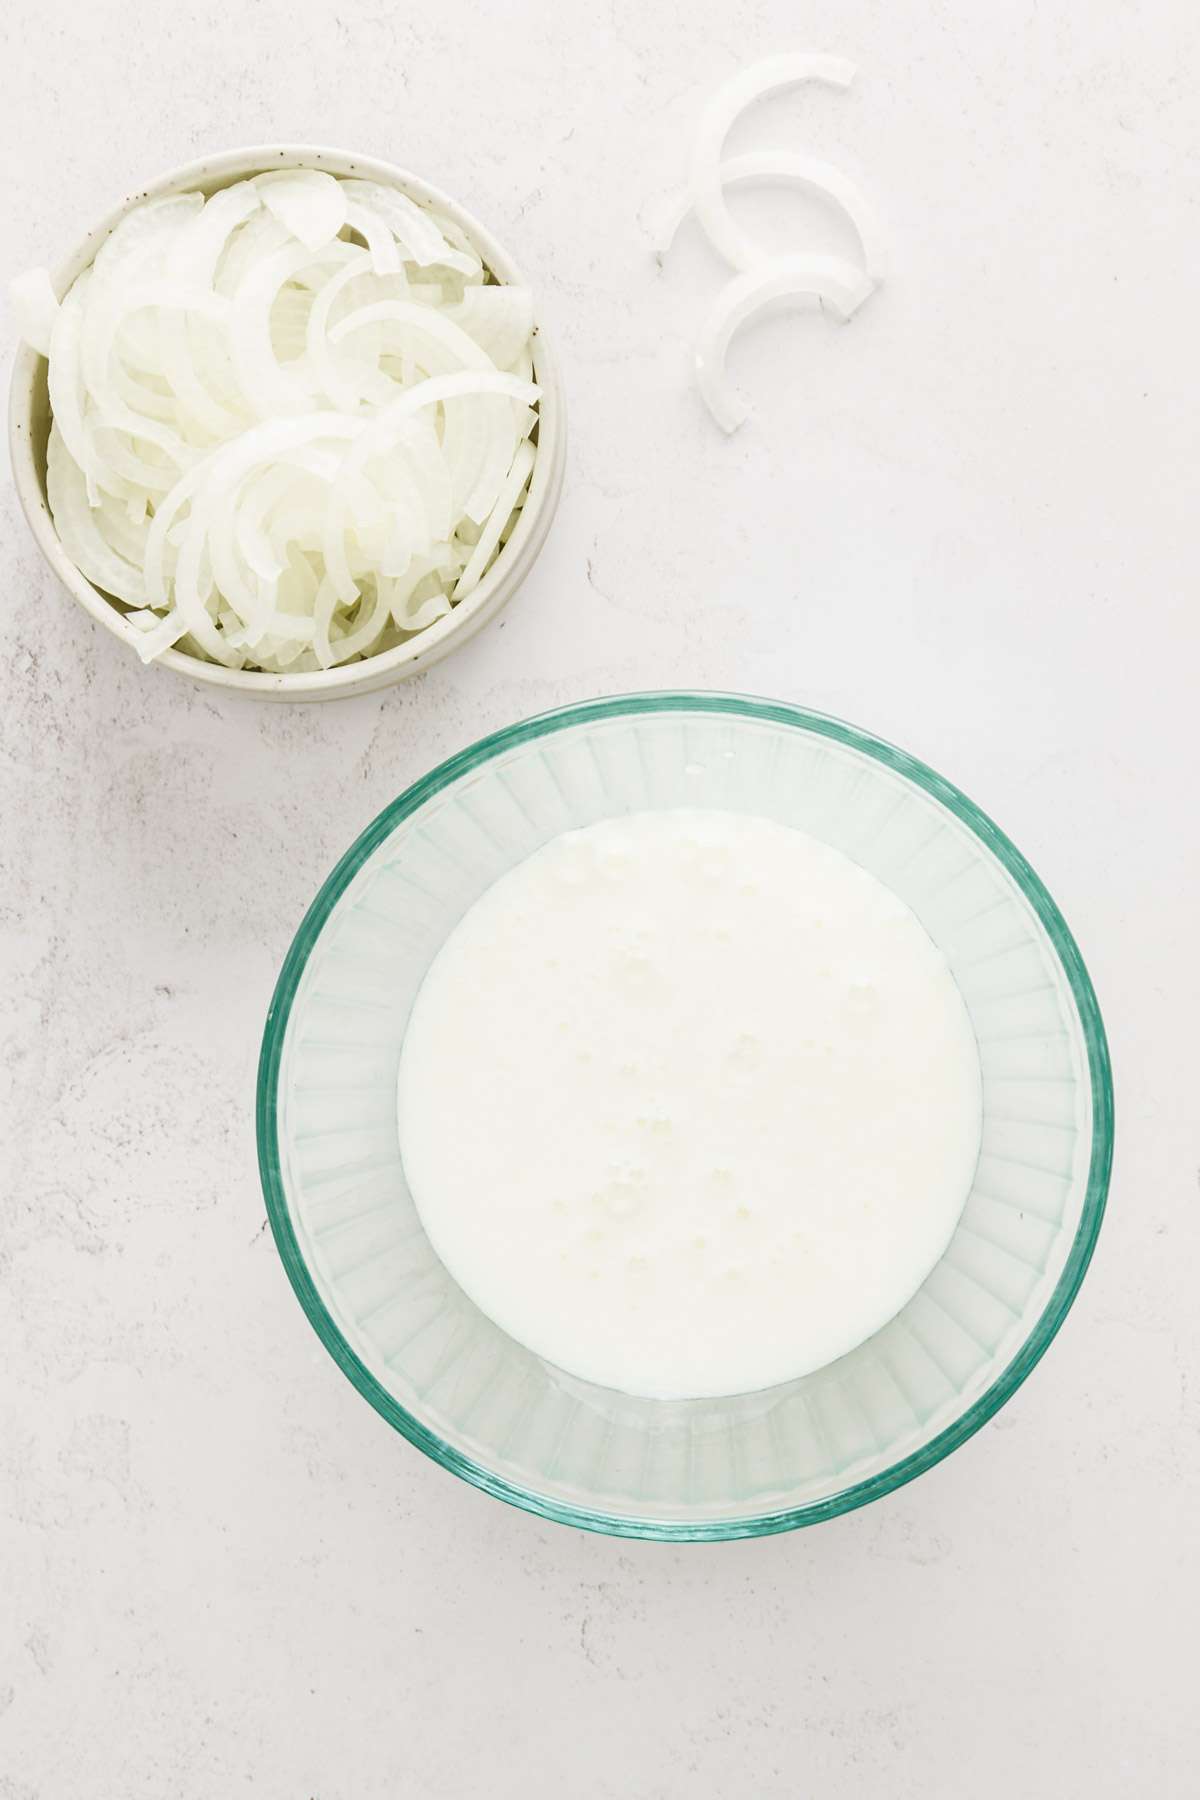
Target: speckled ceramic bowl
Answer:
pixel 29 426
pixel 489 1409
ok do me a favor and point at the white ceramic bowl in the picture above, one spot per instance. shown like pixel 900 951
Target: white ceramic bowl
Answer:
pixel 29 425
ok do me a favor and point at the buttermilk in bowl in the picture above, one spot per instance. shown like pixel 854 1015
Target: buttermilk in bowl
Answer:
pixel 689 1103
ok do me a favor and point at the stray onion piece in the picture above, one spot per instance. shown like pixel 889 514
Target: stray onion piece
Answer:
pixel 827 278
pixel 763 167
pixel 764 279
pixel 291 422
pixel 720 115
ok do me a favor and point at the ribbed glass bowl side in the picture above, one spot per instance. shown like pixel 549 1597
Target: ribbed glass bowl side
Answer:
pixel 481 1404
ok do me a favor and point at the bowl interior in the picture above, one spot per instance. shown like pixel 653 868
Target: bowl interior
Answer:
pixel 483 1404
pixel 29 430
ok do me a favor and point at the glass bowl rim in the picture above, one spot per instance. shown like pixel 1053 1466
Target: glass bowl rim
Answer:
pixel 921 776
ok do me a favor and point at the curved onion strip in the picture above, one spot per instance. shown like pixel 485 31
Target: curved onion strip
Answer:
pixel 352 497
pixel 385 429
pixel 65 380
pixel 309 202
pixel 290 627
pixel 501 513
pixel 425 319
pixel 259 498
pixel 827 277
pixel 807 172
pixel 329 372
pixel 193 587
pixel 499 319
pixel 410 612
pixel 418 235
pixel 725 107
pixel 360 640
pixel 323 609
pixel 408 529
pixel 270 388
pixel 464 447
pixel 228 464
pixel 501 429
pixel 385 257
pixel 182 368
pixel 467 264
pixel 251 597
pixel 142 232
pixel 113 452
pixel 203 242
pixel 426 612
pixel 142 399
pixel 288 320
pixel 503 438
pixel 78 529
pixel 123 528
pixel 35 305
pixel 298 526
pixel 98 346
pixel 436 390
pixel 257 236
pixel 418 460
pixel 156 633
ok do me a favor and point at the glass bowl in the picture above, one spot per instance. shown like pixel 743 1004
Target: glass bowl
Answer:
pixel 490 1410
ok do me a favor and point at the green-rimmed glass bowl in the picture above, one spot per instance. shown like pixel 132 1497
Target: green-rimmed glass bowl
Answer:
pixel 487 1408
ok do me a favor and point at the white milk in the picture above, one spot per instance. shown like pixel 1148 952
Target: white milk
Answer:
pixel 689 1103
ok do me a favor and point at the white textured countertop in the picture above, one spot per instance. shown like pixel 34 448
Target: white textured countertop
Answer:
pixel 968 522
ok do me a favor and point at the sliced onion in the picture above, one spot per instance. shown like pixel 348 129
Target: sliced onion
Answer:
pixel 499 319
pixel 257 236
pixel 828 278
pixel 201 414
pixel 309 202
pixel 202 244
pixel 65 380
pixel 269 388
pixel 489 538
pixel 418 235
pixel 79 531
pixel 467 263
pixel 725 107
pixel 426 320
pixel 385 254
pixel 98 352
pixel 156 632
pixel 277 448
pixel 140 238
pixel 142 396
pixel 807 172
pixel 388 428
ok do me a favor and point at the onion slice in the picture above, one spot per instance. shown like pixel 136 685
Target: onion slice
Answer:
pixel 721 113
pixel 79 527
pixel 499 319
pixel 810 173
pixel 309 202
pixel 417 233
pixel 501 513
pixel 156 633
pixel 828 278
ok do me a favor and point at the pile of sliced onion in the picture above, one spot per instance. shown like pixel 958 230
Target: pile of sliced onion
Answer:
pixel 291 422
pixel 763 276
